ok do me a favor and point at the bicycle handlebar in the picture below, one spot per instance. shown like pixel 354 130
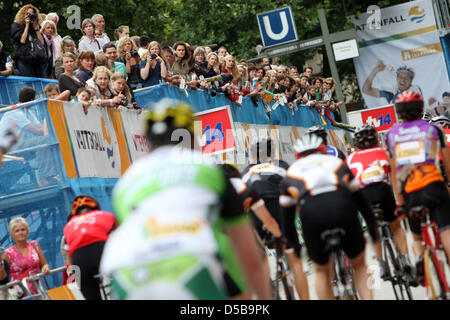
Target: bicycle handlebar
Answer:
pixel 40 275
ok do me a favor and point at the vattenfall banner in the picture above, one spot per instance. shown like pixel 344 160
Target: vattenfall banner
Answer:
pixel 400 50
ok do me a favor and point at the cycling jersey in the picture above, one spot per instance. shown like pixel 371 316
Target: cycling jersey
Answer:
pixel 87 228
pixel 249 197
pixel 369 165
pixel 335 152
pixel 168 203
pixel 415 146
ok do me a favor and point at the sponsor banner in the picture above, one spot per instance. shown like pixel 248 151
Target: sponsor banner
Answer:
pixel 403 52
pixel 135 134
pixel 93 141
pixel 217 130
pixel 382 118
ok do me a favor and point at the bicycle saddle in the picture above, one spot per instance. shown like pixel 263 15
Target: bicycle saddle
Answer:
pixel 333 238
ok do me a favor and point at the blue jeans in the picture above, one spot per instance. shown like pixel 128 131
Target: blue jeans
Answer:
pixel 26 69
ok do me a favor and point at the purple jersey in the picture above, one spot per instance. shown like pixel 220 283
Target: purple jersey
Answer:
pixel 414 142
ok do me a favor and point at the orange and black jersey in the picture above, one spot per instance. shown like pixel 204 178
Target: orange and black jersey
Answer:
pixel 313 175
pixel 249 197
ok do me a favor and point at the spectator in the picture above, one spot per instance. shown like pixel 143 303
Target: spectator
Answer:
pixel 231 66
pixel 111 52
pixel 99 23
pixel 120 87
pixel 143 45
pixel 303 84
pixel 243 77
pixel 318 84
pixel 57 39
pixel 52 92
pixel 68 81
pixel 265 60
pixel 6 62
pixel 293 72
pixel 212 68
pixel 272 80
pixel 101 83
pixel 84 96
pixel 102 61
pixel 25 35
pixel 169 57
pixel 121 31
pixel 136 40
pixel 98 34
pixel 181 65
pixel 67 45
pixel 24 256
pixel 309 72
pixel 134 71
pixel 153 67
pixel 222 52
pixel 48 30
pixel 200 62
pixel 86 63
pixel 207 51
pixel 124 47
pixel 89 42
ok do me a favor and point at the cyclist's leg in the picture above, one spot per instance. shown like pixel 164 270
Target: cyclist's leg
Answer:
pixel 361 276
pixel 441 214
pixel 296 265
pixel 323 280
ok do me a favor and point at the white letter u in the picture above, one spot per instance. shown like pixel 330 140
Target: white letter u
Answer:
pixel 284 23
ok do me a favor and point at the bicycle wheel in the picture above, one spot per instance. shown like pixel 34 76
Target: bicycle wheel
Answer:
pixel 344 278
pixel 287 288
pixel 433 272
pixel 393 269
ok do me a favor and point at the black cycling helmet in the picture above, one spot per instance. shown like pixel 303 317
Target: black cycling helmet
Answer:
pixel 168 116
pixel 318 131
pixel 231 170
pixel 409 105
pixel 365 137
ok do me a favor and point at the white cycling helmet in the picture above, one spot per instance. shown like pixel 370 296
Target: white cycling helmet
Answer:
pixel 441 121
pixel 309 143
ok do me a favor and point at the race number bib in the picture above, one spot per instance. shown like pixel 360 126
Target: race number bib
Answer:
pixel 372 175
pixel 410 152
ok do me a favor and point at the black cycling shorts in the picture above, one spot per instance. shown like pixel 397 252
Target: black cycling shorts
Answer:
pixel 328 211
pixel 381 193
pixel 273 206
pixel 435 197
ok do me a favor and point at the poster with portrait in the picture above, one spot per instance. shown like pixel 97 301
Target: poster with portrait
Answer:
pixel 400 50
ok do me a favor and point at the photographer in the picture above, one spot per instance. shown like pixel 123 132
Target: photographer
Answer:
pixel 134 72
pixel 30 49
pixel 153 68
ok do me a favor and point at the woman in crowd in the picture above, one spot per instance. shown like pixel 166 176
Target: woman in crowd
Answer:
pixel 231 66
pixel 86 62
pixel 212 68
pixel 124 47
pixel 181 65
pixel 119 86
pixel 30 52
pixel 200 63
pixel 89 42
pixel 48 29
pixel 272 80
pixel 134 71
pixel 67 45
pixel 68 80
pixel 102 61
pixel 25 257
pixel 101 83
pixel 153 68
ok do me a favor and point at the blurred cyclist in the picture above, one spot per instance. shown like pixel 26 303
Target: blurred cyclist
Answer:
pixel 322 133
pixel 168 204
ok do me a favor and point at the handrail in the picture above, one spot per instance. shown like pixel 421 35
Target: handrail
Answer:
pixel 40 275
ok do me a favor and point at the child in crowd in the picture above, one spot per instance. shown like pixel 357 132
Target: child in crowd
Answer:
pixel 84 96
pixel 52 92
pixel 120 87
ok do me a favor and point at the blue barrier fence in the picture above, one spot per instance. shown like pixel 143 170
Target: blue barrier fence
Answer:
pixel 10 87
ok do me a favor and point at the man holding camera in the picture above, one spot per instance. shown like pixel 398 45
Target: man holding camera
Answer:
pixel 30 49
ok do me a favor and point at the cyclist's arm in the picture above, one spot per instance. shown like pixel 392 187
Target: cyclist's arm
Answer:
pixel 238 227
pixel 264 215
pixel 288 204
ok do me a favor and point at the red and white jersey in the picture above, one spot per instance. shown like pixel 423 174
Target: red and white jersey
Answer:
pixel 369 165
pixel 87 228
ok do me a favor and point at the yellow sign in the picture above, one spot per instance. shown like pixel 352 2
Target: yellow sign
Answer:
pixel 420 52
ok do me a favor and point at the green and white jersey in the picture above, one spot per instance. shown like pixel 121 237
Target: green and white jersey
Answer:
pixel 167 203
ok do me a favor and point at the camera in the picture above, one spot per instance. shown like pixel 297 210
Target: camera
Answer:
pixel 32 17
pixel 153 56
pixel 134 53
pixel 123 102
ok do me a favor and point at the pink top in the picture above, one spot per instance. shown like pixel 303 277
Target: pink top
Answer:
pixel 22 267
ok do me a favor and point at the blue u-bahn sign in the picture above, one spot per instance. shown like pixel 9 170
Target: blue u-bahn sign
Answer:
pixel 277 27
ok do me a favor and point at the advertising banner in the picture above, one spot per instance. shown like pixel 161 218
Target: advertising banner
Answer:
pixel 400 50
pixel 382 118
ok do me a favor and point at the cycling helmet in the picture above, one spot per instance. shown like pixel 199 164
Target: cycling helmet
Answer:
pixel 441 121
pixel 426 116
pixel 405 68
pixel 167 116
pixel 365 137
pixel 318 131
pixel 308 144
pixel 409 105
pixel 231 170
pixel 83 202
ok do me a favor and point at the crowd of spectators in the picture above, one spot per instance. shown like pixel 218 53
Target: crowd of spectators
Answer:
pixel 94 62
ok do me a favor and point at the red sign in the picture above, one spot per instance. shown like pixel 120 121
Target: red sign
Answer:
pixel 217 130
pixel 382 119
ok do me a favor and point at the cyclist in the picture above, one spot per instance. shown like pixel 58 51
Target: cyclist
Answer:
pixel 86 233
pixel 331 150
pixel 168 204
pixel 327 195
pixel 370 165
pixel 444 123
pixel 417 180
pixel 264 176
